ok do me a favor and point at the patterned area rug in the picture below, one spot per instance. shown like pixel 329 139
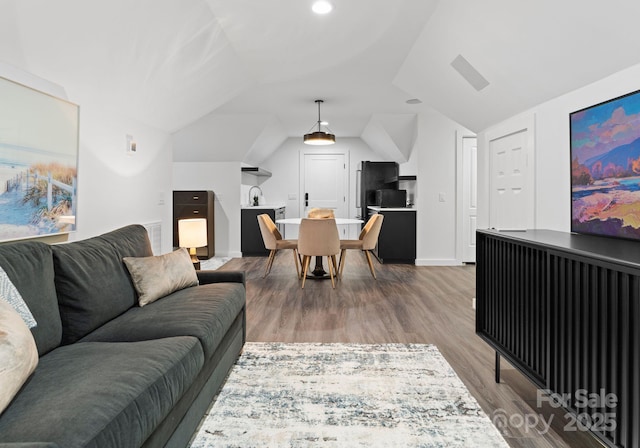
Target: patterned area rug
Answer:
pixel 213 263
pixel 345 395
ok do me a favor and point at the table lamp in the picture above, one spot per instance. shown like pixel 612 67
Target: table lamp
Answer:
pixel 192 233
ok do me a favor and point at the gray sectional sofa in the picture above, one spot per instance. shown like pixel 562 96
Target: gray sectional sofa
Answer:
pixel 111 373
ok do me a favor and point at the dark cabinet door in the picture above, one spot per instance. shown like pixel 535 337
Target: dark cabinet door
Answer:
pixel 397 240
pixel 195 204
pixel 251 238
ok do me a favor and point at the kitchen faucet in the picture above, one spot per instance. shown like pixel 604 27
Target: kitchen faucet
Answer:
pixel 250 190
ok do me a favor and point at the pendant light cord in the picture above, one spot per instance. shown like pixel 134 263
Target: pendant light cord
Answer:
pixel 319 120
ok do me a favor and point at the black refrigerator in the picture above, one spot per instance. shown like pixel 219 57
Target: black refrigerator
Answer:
pixel 374 176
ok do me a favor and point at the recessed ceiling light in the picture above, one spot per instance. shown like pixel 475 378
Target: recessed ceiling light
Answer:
pixel 322 7
pixel 413 101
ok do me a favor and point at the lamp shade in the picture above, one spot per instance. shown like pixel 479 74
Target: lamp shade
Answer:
pixel 319 137
pixel 192 232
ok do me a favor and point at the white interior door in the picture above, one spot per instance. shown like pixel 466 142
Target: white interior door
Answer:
pixel 324 183
pixel 469 198
pixel 511 196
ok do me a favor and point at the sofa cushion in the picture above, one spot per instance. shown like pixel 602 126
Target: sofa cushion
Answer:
pixel 92 283
pixel 205 311
pixel 156 277
pixel 102 394
pixel 129 241
pixel 29 266
pixel 18 353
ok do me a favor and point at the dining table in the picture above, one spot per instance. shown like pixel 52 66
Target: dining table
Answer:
pixel 318 272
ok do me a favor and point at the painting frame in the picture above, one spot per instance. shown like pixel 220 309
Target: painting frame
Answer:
pixel 605 168
pixel 39 149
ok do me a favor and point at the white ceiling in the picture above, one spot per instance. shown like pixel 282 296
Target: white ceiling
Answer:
pixel 529 51
pixel 209 70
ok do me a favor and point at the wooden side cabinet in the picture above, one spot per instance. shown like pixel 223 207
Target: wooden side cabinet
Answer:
pixel 195 204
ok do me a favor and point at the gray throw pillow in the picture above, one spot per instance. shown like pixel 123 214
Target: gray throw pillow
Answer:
pixel 18 353
pixel 156 277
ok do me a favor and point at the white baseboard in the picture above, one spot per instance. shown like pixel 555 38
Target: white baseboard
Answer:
pixel 435 262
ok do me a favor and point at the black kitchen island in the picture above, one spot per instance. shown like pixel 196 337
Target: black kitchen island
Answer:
pixel 397 240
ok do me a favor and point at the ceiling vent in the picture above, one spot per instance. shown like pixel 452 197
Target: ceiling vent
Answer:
pixel 468 72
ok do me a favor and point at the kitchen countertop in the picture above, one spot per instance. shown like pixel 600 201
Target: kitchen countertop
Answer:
pixel 273 205
pixel 392 209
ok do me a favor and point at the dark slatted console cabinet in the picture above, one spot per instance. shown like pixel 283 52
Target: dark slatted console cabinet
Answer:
pixel 564 309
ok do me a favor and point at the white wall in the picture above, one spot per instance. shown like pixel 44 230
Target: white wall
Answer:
pixel 436 162
pixel 114 189
pixel 223 178
pixel 552 162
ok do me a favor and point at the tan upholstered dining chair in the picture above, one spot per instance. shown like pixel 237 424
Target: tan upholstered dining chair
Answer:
pixel 273 241
pixel 366 242
pixel 320 213
pixel 319 238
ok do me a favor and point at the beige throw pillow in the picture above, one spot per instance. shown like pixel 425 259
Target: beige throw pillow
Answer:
pixel 156 277
pixel 18 353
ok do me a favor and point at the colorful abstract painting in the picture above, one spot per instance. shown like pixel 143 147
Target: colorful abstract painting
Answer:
pixel 38 163
pixel 605 168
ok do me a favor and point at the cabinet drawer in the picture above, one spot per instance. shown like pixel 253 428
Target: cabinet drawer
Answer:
pixel 182 211
pixel 189 197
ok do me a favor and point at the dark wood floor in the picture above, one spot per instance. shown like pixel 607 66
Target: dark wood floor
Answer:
pixel 407 304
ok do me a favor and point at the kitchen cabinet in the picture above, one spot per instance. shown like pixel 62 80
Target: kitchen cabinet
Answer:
pixel 251 239
pixel 195 204
pixel 397 240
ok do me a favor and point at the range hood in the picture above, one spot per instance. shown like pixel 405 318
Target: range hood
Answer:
pixel 256 171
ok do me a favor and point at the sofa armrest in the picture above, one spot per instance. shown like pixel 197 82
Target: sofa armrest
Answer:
pixel 206 277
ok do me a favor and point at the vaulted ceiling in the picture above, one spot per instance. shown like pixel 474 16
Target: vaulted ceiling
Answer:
pixel 243 74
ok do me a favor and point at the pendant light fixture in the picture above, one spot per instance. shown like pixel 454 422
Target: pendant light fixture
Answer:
pixel 319 137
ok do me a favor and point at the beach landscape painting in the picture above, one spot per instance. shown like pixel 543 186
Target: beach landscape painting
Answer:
pixel 605 168
pixel 38 163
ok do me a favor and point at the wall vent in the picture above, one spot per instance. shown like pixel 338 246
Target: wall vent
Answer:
pixel 155 236
pixel 468 72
